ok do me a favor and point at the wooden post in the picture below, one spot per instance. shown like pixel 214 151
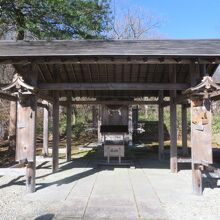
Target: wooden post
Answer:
pixel 173 136
pixel 184 129
pixel 161 127
pixel 12 125
pixel 173 126
pixel 45 130
pixel 135 118
pixel 201 139
pixel 56 134
pixel 94 117
pixel 30 176
pixel 197 179
pixel 196 174
pixel 26 130
pixel 69 127
pixel 130 130
pixel 99 123
pixel 26 137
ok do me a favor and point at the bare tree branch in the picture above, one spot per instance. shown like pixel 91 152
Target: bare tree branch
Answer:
pixel 134 24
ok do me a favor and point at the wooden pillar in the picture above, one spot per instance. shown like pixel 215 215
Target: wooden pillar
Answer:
pixel 45 129
pixel 197 179
pixel 12 125
pixel 201 139
pixel 201 147
pixel 26 129
pixel 69 127
pixel 130 127
pixel 56 133
pixel 173 126
pixel 135 118
pixel 26 137
pixel 30 176
pixel 184 129
pixel 161 127
pixel 99 123
pixel 173 136
pixel 94 117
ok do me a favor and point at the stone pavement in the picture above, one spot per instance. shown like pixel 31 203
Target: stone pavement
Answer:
pixel 91 192
pixel 81 190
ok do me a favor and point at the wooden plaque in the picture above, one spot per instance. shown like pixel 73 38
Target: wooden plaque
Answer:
pixel 201 131
pixel 26 116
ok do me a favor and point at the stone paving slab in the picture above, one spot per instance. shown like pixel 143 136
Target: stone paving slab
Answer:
pixel 84 191
pixel 111 212
pixel 74 208
pixel 96 193
pixel 148 202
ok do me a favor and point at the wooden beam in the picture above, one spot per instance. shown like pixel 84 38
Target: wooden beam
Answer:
pixel 69 127
pixel 161 127
pixel 111 60
pixel 45 130
pixel 113 102
pixel 184 129
pixel 126 60
pixel 173 126
pixel 113 86
pixel 14 61
pixel 55 162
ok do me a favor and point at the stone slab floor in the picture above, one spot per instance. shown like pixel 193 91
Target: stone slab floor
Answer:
pixel 81 190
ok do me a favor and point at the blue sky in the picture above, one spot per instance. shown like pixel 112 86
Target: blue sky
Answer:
pixel 181 18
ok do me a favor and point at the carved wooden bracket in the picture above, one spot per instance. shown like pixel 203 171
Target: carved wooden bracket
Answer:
pixel 18 86
pixel 205 88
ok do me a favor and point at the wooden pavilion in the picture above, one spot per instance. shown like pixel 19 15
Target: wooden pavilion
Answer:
pixel 113 72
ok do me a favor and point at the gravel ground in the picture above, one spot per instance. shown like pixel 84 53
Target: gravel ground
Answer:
pixel 192 207
pixel 13 204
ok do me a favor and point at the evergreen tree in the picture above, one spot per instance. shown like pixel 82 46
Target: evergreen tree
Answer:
pixel 55 19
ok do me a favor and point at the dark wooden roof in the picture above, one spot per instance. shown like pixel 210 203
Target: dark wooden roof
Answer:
pixel 118 62
pixel 110 48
